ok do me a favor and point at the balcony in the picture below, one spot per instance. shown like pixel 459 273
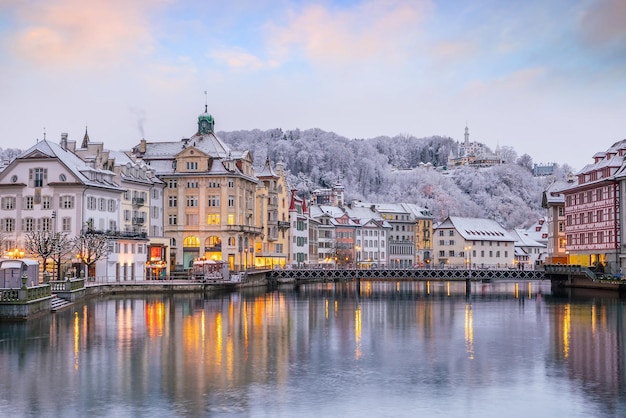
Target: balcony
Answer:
pixel 283 224
pixel 139 220
pixel 244 228
pixel 138 201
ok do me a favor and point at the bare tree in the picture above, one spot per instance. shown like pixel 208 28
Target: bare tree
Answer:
pixel 90 247
pixel 40 244
pixel 62 249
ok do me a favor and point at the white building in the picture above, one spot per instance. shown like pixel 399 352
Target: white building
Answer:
pixel 48 188
pixel 529 254
pixel 472 242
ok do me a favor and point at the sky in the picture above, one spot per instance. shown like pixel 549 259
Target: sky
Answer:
pixel 547 78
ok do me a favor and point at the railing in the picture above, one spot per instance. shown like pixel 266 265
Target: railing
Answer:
pixel 406 274
pixel 569 269
pixel 25 294
pixel 67 285
pixel 138 220
pixel 138 201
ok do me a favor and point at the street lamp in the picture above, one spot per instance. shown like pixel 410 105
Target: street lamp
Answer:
pixel 358 255
pixel 468 259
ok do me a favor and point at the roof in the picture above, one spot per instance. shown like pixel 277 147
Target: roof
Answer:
pixel 523 239
pixel 476 229
pixel 48 149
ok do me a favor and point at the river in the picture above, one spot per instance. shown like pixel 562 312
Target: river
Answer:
pixel 380 349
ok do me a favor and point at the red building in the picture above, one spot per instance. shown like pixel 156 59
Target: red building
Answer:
pixel 592 211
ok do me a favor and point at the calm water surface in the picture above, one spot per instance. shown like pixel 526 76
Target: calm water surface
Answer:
pixel 382 349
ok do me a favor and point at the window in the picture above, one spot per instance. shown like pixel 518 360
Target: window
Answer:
pixel 127 195
pixel 8 203
pixel 8 225
pixel 451 252
pixel 442 253
pixel 38 176
pixel 28 224
pixel 91 203
pixel 66 224
pixel 213 219
pixel 111 205
pixel 192 165
pixel 66 202
pixel 29 202
pixel 192 184
pixel 172 184
pixel 231 183
pixel 214 201
pixel 191 219
pixel 231 219
pixel 451 233
pixel 112 226
pixel 192 201
pixel 231 201
pixel 45 202
pixel 172 220
pixel 172 201
pixel 45 224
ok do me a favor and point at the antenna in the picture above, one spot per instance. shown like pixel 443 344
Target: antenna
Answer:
pixel 206 103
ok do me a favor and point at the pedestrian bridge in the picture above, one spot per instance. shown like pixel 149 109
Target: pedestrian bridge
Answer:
pixel 303 274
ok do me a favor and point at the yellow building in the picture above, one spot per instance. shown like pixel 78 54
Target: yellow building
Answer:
pixel 271 247
pixel 209 197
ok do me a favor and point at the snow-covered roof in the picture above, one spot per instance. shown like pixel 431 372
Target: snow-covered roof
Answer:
pixel 80 169
pixel 476 229
pixel 524 239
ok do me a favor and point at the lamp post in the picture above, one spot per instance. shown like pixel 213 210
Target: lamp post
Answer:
pixel 358 255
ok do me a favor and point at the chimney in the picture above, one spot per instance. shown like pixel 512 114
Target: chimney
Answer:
pixel 64 140
pixel 142 146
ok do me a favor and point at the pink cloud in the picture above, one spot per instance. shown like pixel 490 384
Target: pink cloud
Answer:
pixel 62 33
pixel 603 23
pixel 372 30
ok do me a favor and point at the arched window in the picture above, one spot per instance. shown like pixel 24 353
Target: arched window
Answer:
pixel 213 243
pixel 191 241
pixel 231 241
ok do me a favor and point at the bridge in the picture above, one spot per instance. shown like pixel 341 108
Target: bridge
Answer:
pixel 316 274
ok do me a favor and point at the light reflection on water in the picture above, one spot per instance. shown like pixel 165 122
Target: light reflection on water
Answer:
pixel 377 349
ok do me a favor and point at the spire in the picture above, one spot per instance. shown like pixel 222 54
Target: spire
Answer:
pixel 292 204
pixel 85 139
pixel 466 135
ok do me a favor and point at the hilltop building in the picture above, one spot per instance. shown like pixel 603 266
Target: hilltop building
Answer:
pixel 474 153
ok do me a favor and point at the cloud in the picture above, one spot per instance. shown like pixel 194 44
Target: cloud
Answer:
pixel 603 23
pixel 372 30
pixel 239 59
pixel 73 33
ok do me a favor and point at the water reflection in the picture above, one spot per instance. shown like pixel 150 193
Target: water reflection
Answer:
pixel 374 349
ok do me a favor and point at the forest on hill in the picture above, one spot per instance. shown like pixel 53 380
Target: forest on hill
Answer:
pixel 403 169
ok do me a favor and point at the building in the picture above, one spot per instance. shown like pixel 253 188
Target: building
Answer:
pixel 323 217
pixel 141 206
pixel 553 200
pixel 423 233
pixel 273 200
pixel 209 198
pixel 593 211
pixel 474 153
pixel 371 235
pixel 49 189
pixel 299 231
pixel 473 243
pixel 529 254
pixel 401 237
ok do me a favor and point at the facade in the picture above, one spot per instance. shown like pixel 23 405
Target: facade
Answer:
pixel 401 238
pixel 529 254
pixel 299 232
pixel 209 197
pixel 423 219
pixel 323 218
pixel 370 247
pixel 273 199
pixel 473 243
pixel 49 189
pixel 593 211
pixel 553 201
pixel 141 206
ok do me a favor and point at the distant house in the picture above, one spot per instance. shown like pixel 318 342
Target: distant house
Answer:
pixel 473 242
pixel 528 252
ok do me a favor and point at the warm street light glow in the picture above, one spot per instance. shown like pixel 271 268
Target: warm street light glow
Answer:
pixel 15 253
